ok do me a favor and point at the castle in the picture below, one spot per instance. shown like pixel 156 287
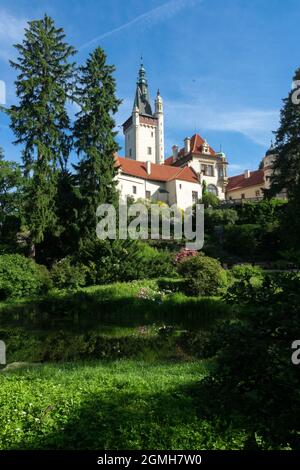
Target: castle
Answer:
pixel 250 185
pixel 144 173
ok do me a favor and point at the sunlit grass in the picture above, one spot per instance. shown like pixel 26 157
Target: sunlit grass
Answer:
pixel 112 405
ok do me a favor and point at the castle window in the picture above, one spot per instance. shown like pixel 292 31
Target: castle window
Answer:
pixel 242 196
pixel 130 152
pixel 134 189
pixel 194 196
pixel 151 134
pixel 180 186
pixel 207 170
pixel 149 150
pixel 211 188
pixel 210 170
pixel 257 193
pixel 148 194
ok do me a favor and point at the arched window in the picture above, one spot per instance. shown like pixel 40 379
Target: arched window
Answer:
pixel 211 188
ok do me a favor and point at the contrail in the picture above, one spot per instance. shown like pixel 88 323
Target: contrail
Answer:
pixel 153 16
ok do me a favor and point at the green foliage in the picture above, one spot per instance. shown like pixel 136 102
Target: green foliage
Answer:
pixel 10 203
pixel 124 260
pixel 239 271
pixel 95 142
pixel 287 149
pixel 242 240
pixel 204 275
pixel 215 217
pixel 261 213
pixel 209 200
pixel 121 405
pixel 40 121
pixel 67 275
pixel 291 257
pixel 255 378
pixel 21 277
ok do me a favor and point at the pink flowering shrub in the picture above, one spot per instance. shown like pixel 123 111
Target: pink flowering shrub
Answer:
pixel 183 254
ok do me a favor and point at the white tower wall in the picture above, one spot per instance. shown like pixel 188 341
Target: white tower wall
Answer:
pixel 159 135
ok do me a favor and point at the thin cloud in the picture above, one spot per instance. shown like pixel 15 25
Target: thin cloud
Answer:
pixel 11 31
pixel 256 124
pixel 147 19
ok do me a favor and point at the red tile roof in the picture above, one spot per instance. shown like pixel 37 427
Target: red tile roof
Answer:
pixel 196 148
pixel 158 172
pixel 239 182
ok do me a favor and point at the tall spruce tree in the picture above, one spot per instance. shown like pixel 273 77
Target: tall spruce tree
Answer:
pixel 94 140
pixel 40 121
pixel 287 168
pixel 287 163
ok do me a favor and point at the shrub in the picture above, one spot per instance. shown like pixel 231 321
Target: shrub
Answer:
pixel 239 271
pixel 184 253
pixel 20 277
pixel 66 275
pixel 255 377
pixel 266 211
pixel 204 275
pixel 210 200
pixel 242 240
pixel 215 217
pixel 125 260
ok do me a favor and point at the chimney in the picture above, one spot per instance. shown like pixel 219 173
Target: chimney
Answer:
pixel 148 167
pixel 175 152
pixel 247 174
pixel 187 145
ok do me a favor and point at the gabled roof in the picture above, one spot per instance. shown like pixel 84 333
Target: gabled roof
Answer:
pixel 195 149
pixel 240 181
pixel 158 172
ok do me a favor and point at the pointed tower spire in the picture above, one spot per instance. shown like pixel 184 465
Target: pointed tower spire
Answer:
pixel 142 99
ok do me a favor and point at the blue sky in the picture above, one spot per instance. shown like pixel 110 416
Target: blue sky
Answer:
pixel 222 66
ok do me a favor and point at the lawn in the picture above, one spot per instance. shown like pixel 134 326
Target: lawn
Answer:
pixel 110 367
pixel 123 404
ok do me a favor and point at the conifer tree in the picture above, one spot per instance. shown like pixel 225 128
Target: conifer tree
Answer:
pixel 287 163
pixel 286 167
pixel 94 139
pixel 40 121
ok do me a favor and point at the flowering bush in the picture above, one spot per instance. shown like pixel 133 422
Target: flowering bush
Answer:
pixel 183 254
pixel 147 293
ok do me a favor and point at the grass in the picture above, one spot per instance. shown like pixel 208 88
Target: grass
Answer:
pixel 110 405
pixel 145 395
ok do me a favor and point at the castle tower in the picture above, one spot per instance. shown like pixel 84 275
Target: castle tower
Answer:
pixel 143 130
pixel 268 161
pixel 159 135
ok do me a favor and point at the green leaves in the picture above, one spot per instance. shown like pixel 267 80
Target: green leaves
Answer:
pixel 40 120
pixel 95 139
